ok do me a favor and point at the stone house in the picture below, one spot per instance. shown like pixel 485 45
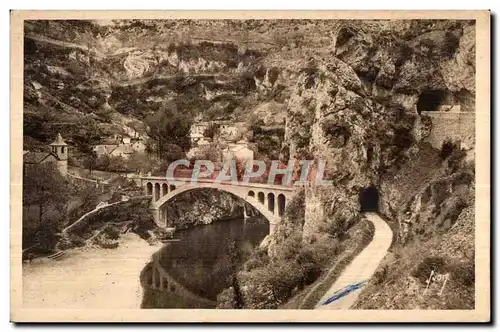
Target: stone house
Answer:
pixel 239 151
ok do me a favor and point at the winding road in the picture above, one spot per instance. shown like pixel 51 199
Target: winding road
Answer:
pixel 346 289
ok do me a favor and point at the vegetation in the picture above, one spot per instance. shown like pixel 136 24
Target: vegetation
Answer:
pixel 358 238
pixel 45 189
pixel 169 126
pixel 108 224
pixel 212 131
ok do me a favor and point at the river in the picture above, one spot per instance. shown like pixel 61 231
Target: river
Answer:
pixel 95 278
pixel 204 260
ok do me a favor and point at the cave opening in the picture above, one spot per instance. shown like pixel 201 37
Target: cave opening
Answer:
pixel 368 199
pixel 430 100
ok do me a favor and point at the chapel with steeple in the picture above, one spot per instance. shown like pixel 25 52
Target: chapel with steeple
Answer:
pixel 58 154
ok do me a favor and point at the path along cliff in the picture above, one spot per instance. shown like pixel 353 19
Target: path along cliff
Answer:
pixel 360 270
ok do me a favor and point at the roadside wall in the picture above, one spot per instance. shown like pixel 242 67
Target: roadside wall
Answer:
pixel 455 126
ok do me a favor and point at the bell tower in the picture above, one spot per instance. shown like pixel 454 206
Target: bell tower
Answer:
pixel 60 149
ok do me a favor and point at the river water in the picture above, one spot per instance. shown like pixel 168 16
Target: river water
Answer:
pixel 204 260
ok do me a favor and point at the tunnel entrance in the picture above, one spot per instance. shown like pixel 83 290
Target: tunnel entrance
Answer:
pixel 430 100
pixel 368 199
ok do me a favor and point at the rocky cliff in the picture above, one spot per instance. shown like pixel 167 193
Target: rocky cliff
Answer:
pixel 201 207
pixel 86 79
pixel 359 110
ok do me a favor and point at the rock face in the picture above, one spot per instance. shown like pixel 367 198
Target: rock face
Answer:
pixel 357 111
pixel 333 118
pixel 201 207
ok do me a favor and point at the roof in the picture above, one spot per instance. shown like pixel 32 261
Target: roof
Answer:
pixel 36 157
pixel 104 149
pixel 236 148
pixel 123 149
pixel 109 141
pixel 59 141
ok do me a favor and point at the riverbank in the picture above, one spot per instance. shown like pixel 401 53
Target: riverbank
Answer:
pixel 89 278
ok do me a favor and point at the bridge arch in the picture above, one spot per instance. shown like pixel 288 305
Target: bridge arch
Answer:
pixel 237 191
pixel 251 193
pixel 270 202
pixel 281 204
pixel 164 189
pixel 172 187
pixel 157 191
pixel 261 197
pixel 149 189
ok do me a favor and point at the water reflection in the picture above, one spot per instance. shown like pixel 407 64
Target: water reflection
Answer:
pixel 201 265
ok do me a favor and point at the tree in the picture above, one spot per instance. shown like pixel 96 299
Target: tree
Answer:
pixel 89 134
pixel 44 187
pixel 103 162
pixel 139 162
pixel 90 161
pixel 212 131
pixel 117 164
pixel 169 126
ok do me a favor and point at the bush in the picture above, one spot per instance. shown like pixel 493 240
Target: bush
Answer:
pixel 338 134
pixel 227 299
pixel 463 273
pixel 112 232
pixel 451 43
pixel 212 130
pixel 429 264
pixel 446 149
pixel 77 241
pixel 344 34
pixel 380 275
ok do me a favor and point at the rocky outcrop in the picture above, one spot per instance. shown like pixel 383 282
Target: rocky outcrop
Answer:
pixel 400 59
pixel 332 117
pixel 201 207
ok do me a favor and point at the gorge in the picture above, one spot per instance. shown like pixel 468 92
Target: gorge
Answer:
pixel 388 105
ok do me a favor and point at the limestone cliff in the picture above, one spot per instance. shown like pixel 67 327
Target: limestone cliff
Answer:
pixel 201 207
pixel 360 111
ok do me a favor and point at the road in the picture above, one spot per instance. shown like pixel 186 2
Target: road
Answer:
pixel 345 291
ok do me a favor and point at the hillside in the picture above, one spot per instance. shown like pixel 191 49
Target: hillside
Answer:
pixel 82 77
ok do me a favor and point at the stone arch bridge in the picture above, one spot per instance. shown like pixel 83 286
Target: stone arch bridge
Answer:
pixel 269 199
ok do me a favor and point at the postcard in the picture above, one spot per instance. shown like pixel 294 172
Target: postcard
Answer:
pixel 250 166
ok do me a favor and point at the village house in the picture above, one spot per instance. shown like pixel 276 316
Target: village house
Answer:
pixel 121 145
pixel 238 151
pixel 229 134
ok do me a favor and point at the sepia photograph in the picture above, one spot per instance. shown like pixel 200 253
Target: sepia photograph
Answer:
pixel 250 166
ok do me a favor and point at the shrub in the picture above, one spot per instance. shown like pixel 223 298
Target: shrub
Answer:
pixel 345 33
pixel 429 264
pixel 111 232
pixel 451 43
pixel 338 133
pixel 212 130
pixel 380 275
pixel 463 273
pixel 295 210
pixel 227 299
pixel 77 241
pixel 446 149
